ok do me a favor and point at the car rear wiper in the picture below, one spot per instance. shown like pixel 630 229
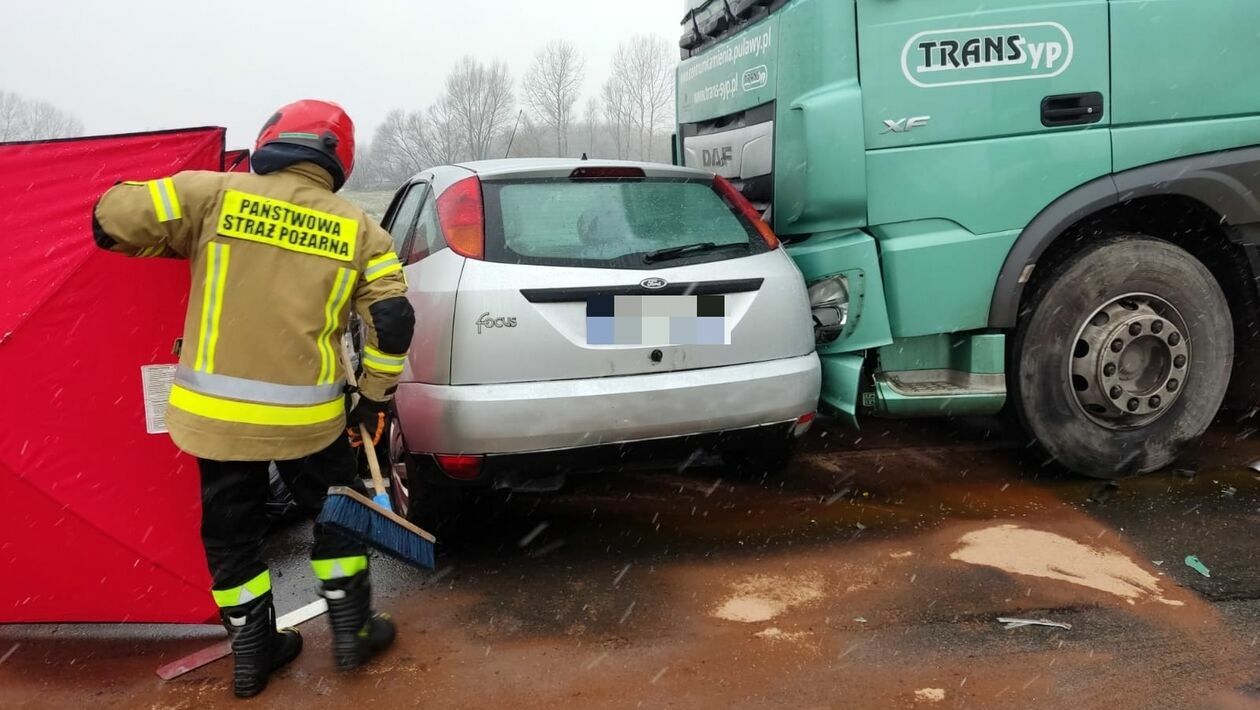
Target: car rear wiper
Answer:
pixel 688 250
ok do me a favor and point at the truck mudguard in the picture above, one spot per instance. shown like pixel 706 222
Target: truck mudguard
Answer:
pixel 1227 182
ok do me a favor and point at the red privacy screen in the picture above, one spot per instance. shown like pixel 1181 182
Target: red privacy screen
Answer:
pixel 101 519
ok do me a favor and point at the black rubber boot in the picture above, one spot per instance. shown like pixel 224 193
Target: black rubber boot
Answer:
pixel 358 633
pixel 258 648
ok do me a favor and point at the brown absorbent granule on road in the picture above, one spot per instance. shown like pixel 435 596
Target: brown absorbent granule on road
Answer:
pixel 762 597
pixel 1038 553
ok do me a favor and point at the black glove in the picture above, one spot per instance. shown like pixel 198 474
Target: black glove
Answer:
pixel 368 413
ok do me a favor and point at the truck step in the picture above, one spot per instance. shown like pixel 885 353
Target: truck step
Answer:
pixel 938 392
pixel 935 383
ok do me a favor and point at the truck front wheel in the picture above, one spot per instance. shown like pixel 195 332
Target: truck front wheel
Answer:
pixel 1122 356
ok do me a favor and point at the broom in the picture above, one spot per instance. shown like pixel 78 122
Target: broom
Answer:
pixel 374 521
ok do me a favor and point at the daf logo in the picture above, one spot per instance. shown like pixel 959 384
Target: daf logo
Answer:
pixel 654 284
pixel 717 157
pixel 905 125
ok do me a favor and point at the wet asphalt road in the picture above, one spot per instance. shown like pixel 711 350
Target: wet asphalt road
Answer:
pixel 869 575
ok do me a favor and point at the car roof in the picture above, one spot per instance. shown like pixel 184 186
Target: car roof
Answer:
pixel 562 167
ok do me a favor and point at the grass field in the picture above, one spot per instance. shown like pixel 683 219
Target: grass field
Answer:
pixel 374 202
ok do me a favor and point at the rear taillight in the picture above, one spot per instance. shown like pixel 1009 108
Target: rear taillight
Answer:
pixel 737 200
pixel 803 424
pixel 463 219
pixel 462 467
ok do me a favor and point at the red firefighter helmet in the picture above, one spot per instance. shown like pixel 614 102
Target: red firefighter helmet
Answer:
pixel 321 126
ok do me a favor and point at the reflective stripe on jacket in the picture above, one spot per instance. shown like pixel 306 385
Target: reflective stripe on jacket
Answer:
pixel 278 262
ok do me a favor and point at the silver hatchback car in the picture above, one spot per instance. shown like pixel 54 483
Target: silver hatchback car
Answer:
pixel 578 315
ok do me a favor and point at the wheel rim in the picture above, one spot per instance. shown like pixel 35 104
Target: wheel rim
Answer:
pixel 1130 361
pixel 398 468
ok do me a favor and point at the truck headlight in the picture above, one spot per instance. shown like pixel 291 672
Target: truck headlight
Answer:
pixel 829 299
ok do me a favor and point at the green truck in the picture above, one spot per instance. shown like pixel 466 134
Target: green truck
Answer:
pixel 1043 208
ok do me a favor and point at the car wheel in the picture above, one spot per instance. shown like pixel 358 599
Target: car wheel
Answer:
pixel 428 506
pixel 396 468
pixel 1122 358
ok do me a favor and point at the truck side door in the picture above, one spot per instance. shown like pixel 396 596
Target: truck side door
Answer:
pixel 982 113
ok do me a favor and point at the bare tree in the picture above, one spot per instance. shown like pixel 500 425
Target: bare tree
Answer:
pixel 551 88
pixel 643 79
pixel 592 122
pixel 524 137
pixel 617 116
pixel 408 142
pixel 398 146
pixel 479 104
pixel 23 119
pixel 443 143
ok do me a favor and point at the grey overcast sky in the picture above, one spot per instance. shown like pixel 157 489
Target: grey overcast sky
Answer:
pixel 146 64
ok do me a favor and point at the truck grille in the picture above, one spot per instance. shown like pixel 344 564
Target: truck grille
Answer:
pixel 739 147
pixel 718 19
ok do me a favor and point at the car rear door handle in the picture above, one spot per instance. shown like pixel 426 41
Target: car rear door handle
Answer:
pixel 1072 109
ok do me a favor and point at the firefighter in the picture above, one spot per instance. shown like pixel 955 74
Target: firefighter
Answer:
pixel 278 264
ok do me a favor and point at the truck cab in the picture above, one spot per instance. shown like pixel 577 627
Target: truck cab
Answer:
pixel 1042 207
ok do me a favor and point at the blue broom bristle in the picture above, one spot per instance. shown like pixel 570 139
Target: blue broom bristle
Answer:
pixel 359 521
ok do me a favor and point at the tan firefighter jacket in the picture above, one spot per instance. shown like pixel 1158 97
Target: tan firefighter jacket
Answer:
pixel 277 263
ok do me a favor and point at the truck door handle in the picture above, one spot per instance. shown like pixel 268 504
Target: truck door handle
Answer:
pixel 1072 109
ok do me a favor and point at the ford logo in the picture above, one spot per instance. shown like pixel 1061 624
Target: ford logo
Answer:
pixel 654 284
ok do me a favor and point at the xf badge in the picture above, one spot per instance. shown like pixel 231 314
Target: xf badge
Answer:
pixel 905 125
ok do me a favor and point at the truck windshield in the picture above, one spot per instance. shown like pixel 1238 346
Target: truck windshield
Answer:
pixel 612 223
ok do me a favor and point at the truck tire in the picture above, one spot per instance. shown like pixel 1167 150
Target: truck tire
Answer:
pixel 1122 356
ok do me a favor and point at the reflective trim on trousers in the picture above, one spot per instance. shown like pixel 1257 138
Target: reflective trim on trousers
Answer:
pixel 340 568
pixel 245 593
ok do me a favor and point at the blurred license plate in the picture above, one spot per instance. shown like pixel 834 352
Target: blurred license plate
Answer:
pixel 657 320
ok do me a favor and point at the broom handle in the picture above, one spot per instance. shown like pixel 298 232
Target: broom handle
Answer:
pixel 377 481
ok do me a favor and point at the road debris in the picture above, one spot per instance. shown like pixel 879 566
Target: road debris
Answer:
pixel 1013 623
pixel 929 695
pixel 8 653
pixel 1040 553
pixel 1197 565
pixel 761 598
pixel 777 634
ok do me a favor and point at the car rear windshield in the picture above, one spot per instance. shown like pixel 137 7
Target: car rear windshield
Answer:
pixel 616 224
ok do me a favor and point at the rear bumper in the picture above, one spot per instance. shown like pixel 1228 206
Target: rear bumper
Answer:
pixel 567 414
pixel 540 471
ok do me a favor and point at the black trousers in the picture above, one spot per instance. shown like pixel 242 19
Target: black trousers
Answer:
pixel 234 519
